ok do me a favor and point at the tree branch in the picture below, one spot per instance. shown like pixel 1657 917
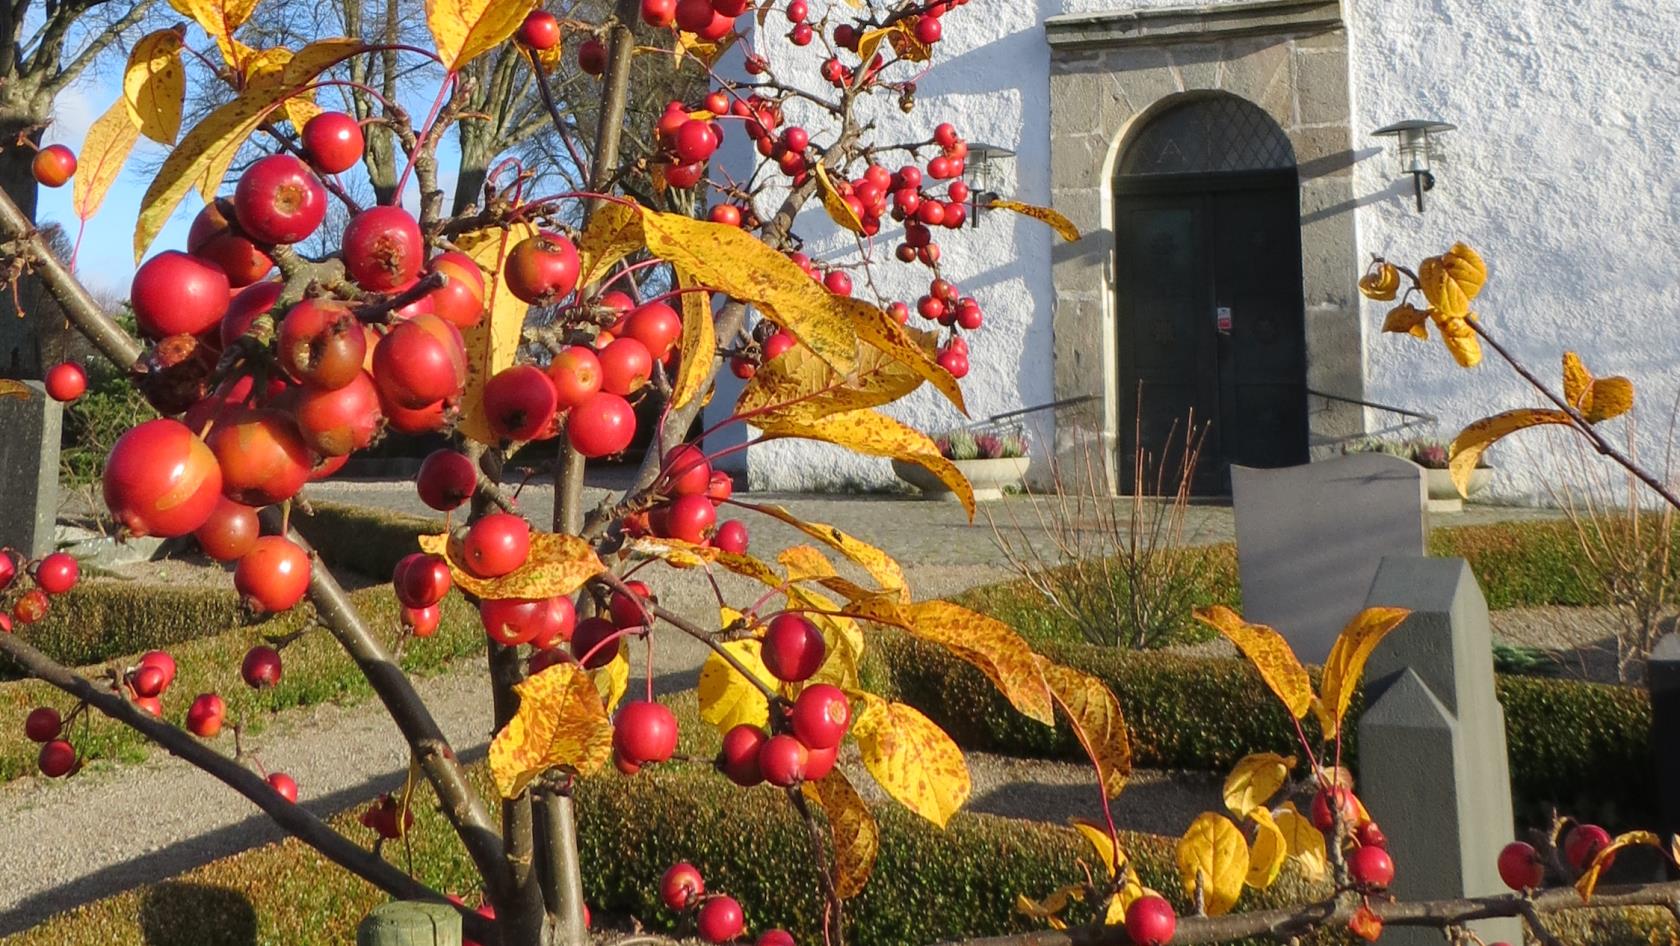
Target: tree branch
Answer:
pixel 100 43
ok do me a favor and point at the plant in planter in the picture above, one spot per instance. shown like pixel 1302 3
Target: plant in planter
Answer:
pixel 993 461
pixel 1434 456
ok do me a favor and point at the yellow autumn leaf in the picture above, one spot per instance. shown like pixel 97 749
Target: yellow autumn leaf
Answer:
pixel 706 51
pixel 852 829
pixel 556 565
pixel 1450 281
pixel 463 30
pixel 1097 722
pixel 680 554
pixel 1115 913
pixel 1213 855
pixel 1270 654
pixel 838 210
pixel 1407 319
pixel 1304 842
pixel 727 699
pixel 985 642
pixel 738 264
pixel 613 231
pixel 269 67
pixel 1109 854
pixel 1598 399
pixel 493 342
pixel 15 390
pixel 1467 448
pixel 906 45
pixel 1346 663
pixel 1466 268
pixel 1052 905
pixel 561 723
pixel 870 41
pixel 221 132
pixel 1267 852
pixel 880 566
pixel 911 758
pixel 155 85
pixel 1588 881
pixel 612 680
pixel 1254 780
pixel 1459 337
pixel 805 563
pixel 911 348
pixel 220 19
pixel 1381 283
pixel 873 434
pixel 109 141
pixel 699 341
pixel 1056 221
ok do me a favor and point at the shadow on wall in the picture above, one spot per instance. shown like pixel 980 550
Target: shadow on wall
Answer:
pixel 173 914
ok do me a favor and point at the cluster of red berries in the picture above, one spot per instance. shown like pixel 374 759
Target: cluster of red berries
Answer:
pixel 1523 868
pixel 687 142
pixel 52 575
pixel 388 820
pixel 717 917
pixel 804 737
pixel 1369 865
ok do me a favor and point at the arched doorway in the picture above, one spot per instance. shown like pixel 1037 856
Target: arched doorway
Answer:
pixel 1208 293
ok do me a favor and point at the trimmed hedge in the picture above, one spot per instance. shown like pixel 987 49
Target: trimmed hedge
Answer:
pixel 928 885
pixel 102 618
pixel 364 540
pixel 1581 746
pixel 1523 564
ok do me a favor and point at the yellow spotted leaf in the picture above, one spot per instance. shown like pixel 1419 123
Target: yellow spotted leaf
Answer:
pixel 707 51
pixel 798 384
pixel 728 699
pixel 109 141
pixel 493 342
pixel 210 143
pixel 220 18
pixel 614 231
pixel 1598 399
pixel 873 434
pixel 1588 881
pixel 880 566
pixel 699 341
pixel 1115 913
pixel 1270 654
pixel 680 554
pixel 905 44
pixel 556 565
pixel 1109 854
pixel 1097 722
pixel 463 30
pixel 1254 780
pixel 1214 855
pixel 270 67
pixel 1459 337
pixel 738 264
pixel 1267 852
pixel 612 680
pixel 15 390
pixel 852 829
pixel 911 348
pixel 561 723
pixel 805 563
pixel 987 643
pixel 911 758
pixel 1450 281
pixel 1467 448
pixel 1346 663
pixel 155 85
pixel 1062 225
pixel 870 41
pixel 1304 842
pixel 1381 283
pixel 1407 319
pixel 838 210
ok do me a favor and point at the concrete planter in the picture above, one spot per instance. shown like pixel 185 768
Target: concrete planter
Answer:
pixel 1443 495
pixel 988 477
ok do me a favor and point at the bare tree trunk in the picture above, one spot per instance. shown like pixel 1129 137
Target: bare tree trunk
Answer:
pixel 31 344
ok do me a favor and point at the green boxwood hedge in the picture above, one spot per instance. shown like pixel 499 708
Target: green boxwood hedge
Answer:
pixel 363 540
pixel 102 618
pixel 1581 746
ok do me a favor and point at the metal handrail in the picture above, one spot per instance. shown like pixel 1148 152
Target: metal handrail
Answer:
pixel 1418 418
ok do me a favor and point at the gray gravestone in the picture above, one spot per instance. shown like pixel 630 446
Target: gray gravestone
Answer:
pixel 29 434
pixel 1662 675
pixel 1432 764
pixel 410 923
pixel 1309 539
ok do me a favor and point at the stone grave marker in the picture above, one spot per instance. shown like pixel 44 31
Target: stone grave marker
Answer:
pixel 29 464
pixel 1433 769
pixel 1309 539
pixel 1662 676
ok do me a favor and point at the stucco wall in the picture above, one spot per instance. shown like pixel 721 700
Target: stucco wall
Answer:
pixel 1565 172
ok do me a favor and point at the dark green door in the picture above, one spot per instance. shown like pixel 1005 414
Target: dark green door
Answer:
pixel 1210 321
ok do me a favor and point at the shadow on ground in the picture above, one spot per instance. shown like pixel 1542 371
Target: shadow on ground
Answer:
pixel 176 914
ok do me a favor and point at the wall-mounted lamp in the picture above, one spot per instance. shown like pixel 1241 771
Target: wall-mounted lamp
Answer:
pixel 989 164
pixel 1414 147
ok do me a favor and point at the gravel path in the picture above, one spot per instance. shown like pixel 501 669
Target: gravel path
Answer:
pixel 114 827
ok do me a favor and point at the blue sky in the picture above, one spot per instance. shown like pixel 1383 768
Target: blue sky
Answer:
pixel 106 260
